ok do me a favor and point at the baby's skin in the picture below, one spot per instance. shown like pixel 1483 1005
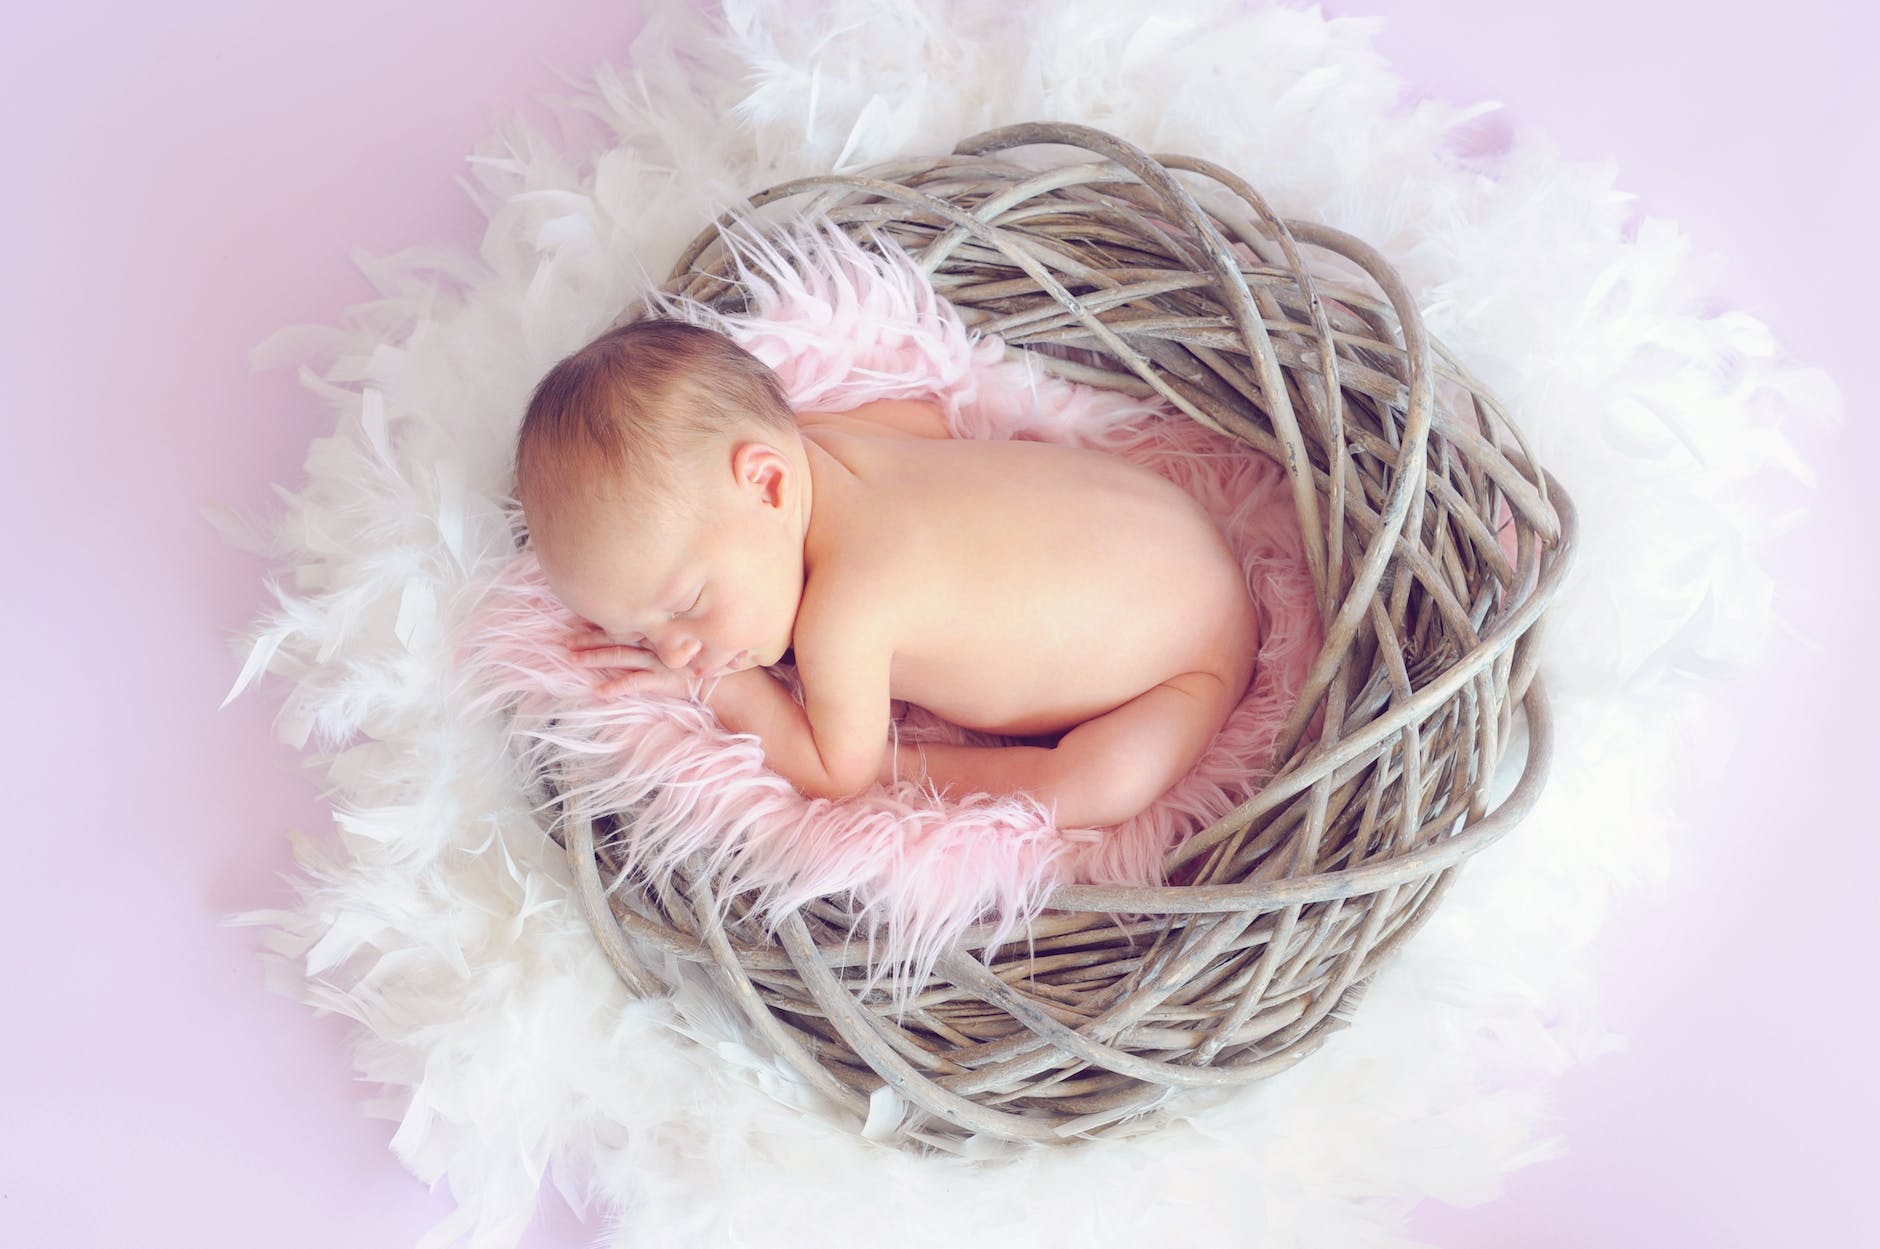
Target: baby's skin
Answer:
pixel 1051 593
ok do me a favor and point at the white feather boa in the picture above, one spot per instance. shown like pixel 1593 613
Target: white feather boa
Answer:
pixel 439 918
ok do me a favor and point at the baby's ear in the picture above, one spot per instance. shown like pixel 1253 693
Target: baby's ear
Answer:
pixel 764 467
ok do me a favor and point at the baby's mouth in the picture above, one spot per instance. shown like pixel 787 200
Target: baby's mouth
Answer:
pixel 730 665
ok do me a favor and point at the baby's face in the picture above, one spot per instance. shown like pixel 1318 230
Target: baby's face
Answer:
pixel 710 596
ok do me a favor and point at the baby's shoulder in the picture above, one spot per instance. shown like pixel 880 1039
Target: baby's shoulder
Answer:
pixel 850 603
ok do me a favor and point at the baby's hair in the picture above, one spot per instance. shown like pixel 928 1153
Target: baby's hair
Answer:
pixel 635 406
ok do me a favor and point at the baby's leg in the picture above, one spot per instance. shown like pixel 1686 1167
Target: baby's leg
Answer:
pixel 1103 771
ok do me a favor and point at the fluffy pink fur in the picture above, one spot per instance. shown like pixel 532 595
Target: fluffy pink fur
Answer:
pixel 841 327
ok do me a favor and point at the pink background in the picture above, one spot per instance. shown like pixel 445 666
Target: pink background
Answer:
pixel 185 178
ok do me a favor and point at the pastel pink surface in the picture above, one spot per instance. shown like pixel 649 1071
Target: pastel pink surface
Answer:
pixel 184 180
pixel 190 177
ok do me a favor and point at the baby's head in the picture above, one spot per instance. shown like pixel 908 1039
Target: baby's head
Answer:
pixel 667 494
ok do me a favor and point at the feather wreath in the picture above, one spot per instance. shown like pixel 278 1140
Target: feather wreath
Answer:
pixel 843 326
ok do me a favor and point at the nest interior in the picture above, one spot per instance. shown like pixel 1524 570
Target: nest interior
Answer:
pixel 1170 275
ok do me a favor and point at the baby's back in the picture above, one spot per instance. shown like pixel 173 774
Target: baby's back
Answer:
pixel 1036 586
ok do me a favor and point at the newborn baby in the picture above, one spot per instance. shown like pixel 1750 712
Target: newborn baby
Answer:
pixel 703 532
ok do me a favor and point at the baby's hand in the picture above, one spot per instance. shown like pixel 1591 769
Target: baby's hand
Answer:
pixel 590 647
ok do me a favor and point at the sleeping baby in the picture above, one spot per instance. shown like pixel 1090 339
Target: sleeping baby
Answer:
pixel 704 532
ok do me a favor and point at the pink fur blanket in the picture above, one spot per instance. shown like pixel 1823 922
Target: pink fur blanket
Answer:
pixel 842 326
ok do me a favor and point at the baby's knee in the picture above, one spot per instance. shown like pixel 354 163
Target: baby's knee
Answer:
pixel 1118 765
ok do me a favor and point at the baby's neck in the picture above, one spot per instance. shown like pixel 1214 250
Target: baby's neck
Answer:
pixel 828 501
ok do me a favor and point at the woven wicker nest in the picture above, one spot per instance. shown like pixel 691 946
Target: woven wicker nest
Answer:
pixel 1117 995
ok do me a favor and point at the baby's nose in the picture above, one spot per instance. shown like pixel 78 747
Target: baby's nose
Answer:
pixel 678 652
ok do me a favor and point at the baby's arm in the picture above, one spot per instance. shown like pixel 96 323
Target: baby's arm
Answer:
pixel 830 748
pixel 834 744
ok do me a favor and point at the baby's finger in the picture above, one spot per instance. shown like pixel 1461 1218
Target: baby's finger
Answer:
pixel 614 656
pixel 636 683
pixel 588 641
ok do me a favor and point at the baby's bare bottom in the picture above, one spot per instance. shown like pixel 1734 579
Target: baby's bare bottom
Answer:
pixel 1102 772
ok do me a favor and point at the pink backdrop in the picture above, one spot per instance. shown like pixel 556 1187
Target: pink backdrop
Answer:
pixel 185 178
